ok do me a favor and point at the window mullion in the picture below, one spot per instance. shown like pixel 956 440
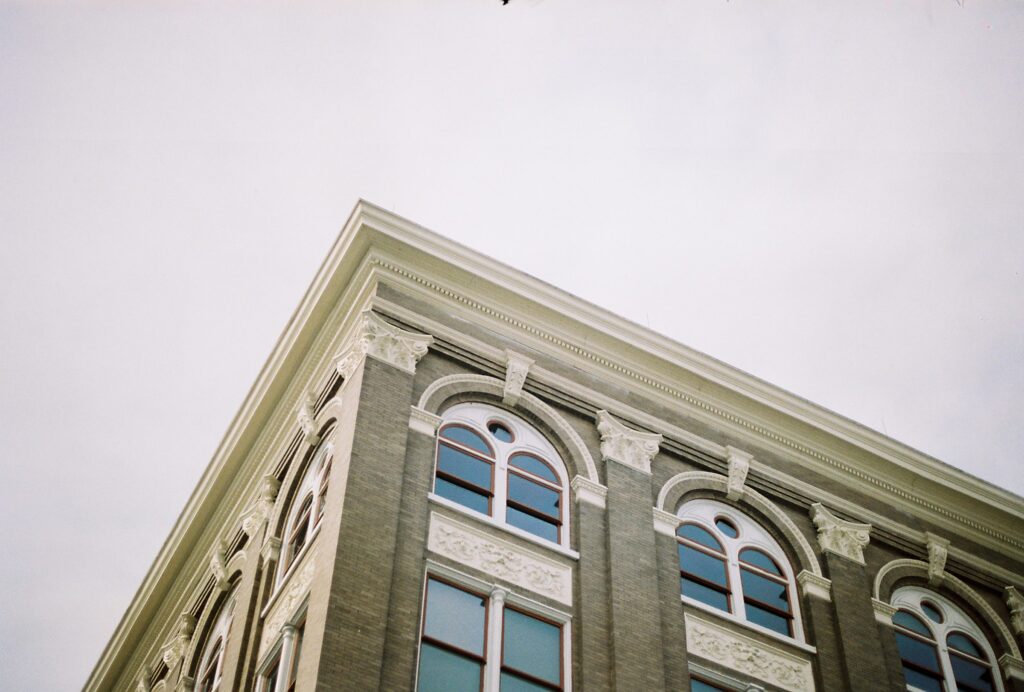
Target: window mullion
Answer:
pixel 492 666
pixel 735 585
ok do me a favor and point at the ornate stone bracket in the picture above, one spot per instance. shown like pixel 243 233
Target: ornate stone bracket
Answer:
pixel 259 510
pixel 625 445
pixel 1015 602
pixel 814 585
pixel 384 341
pixel 739 466
pixel 219 567
pixel 143 683
pixel 517 366
pixel 844 538
pixel 306 420
pixel 586 490
pixel 938 551
pixel 883 611
pixel 173 650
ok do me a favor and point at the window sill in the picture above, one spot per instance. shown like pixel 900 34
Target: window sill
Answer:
pixel 746 624
pixel 502 526
pixel 292 568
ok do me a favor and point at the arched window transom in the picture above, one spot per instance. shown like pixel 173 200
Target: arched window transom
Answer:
pixel 731 563
pixel 941 649
pixel 494 463
pixel 307 506
pixel 211 661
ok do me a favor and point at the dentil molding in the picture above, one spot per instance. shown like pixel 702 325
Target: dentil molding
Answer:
pixel 747 656
pixel 938 551
pixel 844 538
pixel 499 558
pixel 517 366
pixel 625 445
pixel 739 466
pixel 375 337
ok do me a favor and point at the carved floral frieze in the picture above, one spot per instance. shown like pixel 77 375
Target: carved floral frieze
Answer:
pixel 499 558
pixel 287 602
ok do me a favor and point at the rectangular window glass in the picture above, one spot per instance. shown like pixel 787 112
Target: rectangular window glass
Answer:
pixel 765 590
pixel 464 466
pixel 921 681
pixel 920 653
pixel 465 497
pixel 533 495
pixel 971 674
pixel 532 646
pixel 533 524
pixel 699 563
pixel 701 686
pixel 766 618
pixel 511 683
pixel 455 617
pixel 699 592
pixel 444 671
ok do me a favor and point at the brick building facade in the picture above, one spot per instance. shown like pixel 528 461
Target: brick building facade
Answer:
pixel 452 476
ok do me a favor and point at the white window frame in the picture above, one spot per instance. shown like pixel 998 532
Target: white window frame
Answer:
pixel 288 648
pixel 704 512
pixel 497 598
pixel 476 416
pixel 312 480
pixel 953 620
pixel 219 632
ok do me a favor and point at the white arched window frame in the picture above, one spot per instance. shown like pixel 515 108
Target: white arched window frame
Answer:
pixel 307 508
pixel 515 476
pixel 741 592
pixel 936 624
pixel 211 662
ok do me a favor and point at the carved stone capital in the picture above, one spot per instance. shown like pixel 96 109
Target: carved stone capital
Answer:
pixel 174 649
pixel 305 417
pixel 844 538
pixel 938 551
pixel 1012 667
pixel 516 368
pixel 883 611
pixel 1015 602
pixel 625 445
pixel 259 510
pixel 739 466
pixel 814 585
pixel 586 490
pixel 384 341
pixel 666 523
pixel 423 421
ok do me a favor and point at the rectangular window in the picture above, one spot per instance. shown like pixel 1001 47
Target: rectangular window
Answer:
pixel 468 639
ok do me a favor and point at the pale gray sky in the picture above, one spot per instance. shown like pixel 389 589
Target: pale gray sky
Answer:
pixel 829 195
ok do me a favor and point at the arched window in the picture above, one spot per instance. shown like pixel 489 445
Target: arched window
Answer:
pixel 731 563
pixel 211 662
pixel 307 506
pixel 940 647
pixel 496 464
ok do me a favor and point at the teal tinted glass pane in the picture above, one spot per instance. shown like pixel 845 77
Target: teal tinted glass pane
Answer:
pixel 534 466
pixel 962 643
pixel 932 612
pixel 699 535
pixel 467 437
pixel 532 646
pixel 701 564
pixel 464 466
pixel 455 617
pixel 726 527
pixel 765 590
pixel 444 671
pixel 916 651
pixel 467 498
pixel 701 686
pixel 766 618
pixel 511 683
pixel 971 675
pixel 911 622
pixel 533 495
pixel 500 431
pixel 535 525
pixel 699 592
pixel 759 559
pixel 921 681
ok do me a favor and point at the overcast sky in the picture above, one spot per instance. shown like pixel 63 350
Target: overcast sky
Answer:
pixel 830 198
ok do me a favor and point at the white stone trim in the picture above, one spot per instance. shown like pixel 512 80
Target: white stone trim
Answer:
pixel 1012 667
pixel 814 585
pixel 739 466
pixel 262 505
pixel 373 336
pixel 306 418
pixel 883 611
pixel 1015 604
pixel 625 445
pixel 586 490
pixel 938 551
pixel 289 598
pixel 748 656
pixel 838 536
pixel 665 523
pixel 499 558
pixel 423 421
pixel 517 366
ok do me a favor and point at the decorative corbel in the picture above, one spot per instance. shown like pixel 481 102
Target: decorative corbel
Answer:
pixel 261 507
pixel 384 341
pixel 938 551
pixel 143 683
pixel 173 650
pixel 739 466
pixel 1015 602
pixel 516 368
pixel 306 419
pixel 844 538
pixel 219 567
pixel 625 445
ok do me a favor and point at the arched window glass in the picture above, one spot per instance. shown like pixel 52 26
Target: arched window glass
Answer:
pixel 940 647
pixel 307 506
pixel 211 661
pixel 731 563
pixel 495 463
